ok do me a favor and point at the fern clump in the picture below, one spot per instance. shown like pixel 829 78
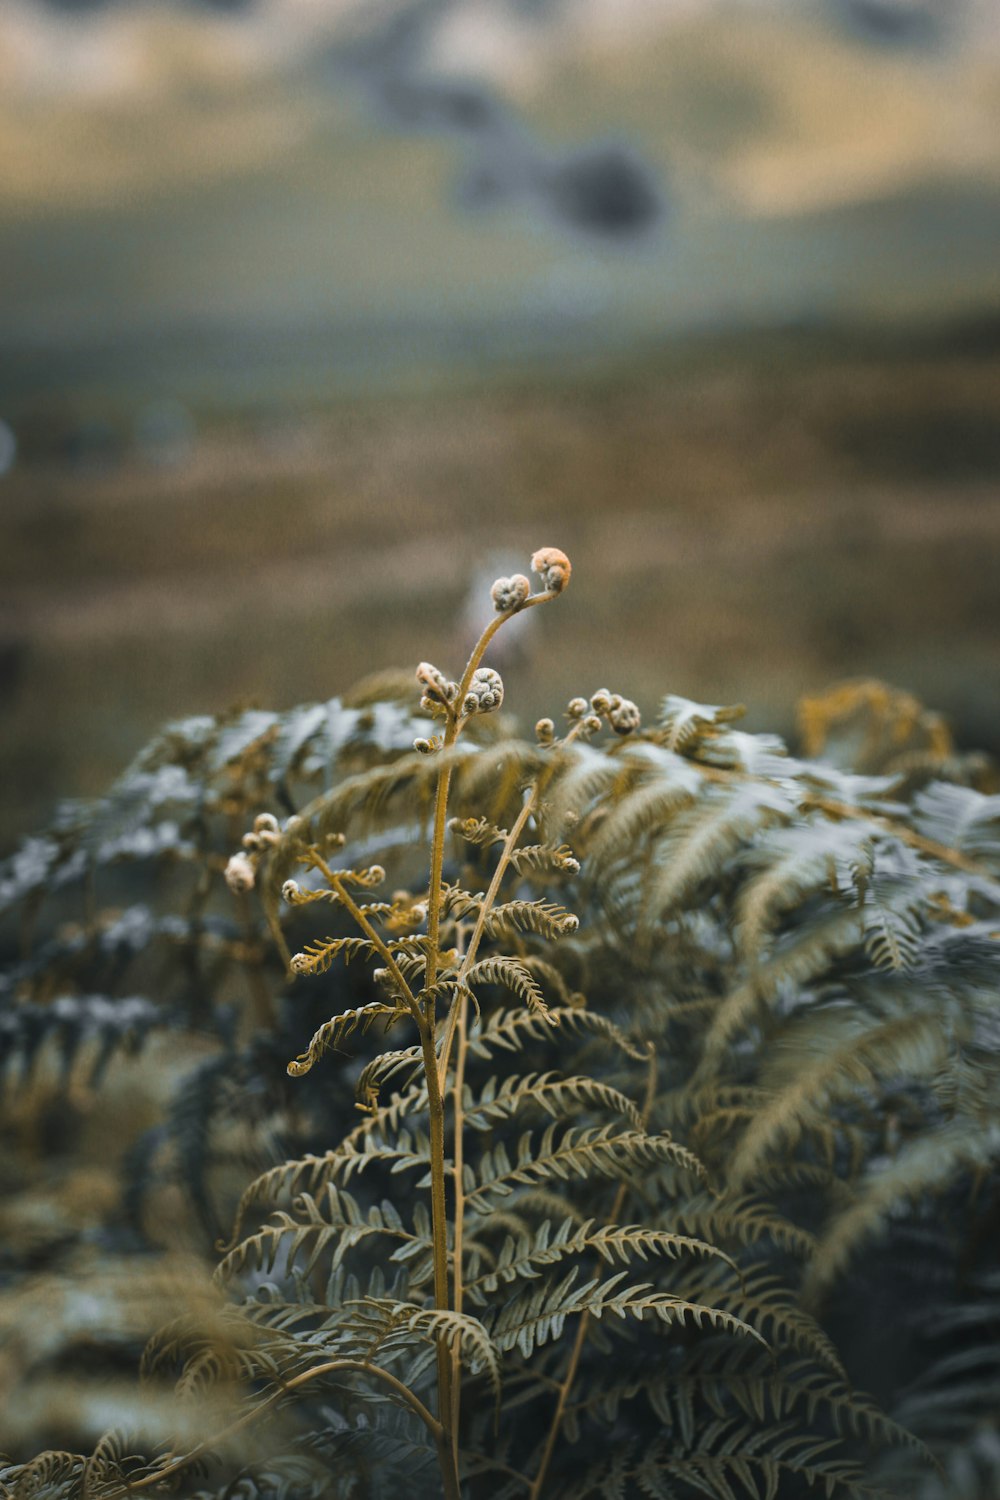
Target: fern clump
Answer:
pixel 585 1075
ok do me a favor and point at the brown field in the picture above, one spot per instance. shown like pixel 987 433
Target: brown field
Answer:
pixel 746 523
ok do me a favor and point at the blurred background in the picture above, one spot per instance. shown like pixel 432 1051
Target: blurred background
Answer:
pixel 317 314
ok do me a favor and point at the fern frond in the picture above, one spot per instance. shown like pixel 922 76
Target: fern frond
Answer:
pixel 701 839
pixel 50 1473
pixel 960 818
pixel 383 1067
pixel 511 973
pixel 507 1030
pixel 645 809
pixel 793 862
pixel 94 1028
pixel 309 1174
pixel 743 1220
pixel 542 857
pixel 542 917
pixel 537 1316
pixel 542 968
pixel 316 957
pixel 730 1450
pixel 335 1227
pixel 550 1092
pixel 908 1045
pixel 922 1166
pixel 800 957
pixel 603 1151
pixel 682 723
pixel 763 1392
pixel 892 925
pixel 588 774
pixel 519 1258
pixel 335 1031
pixel 478 831
pixel 764 1299
pixel 462 1331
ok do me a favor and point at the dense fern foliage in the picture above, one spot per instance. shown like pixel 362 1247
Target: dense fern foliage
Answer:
pixel 601 1113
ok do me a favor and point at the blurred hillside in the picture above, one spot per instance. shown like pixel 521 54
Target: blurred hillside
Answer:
pixel 400 184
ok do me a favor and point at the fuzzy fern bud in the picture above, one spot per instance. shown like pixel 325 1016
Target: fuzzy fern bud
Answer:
pixel 439 692
pixel 553 567
pixel 600 701
pixel 291 892
pixel 251 842
pixel 546 731
pixel 422 746
pixel 509 593
pixel 485 693
pixel 300 963
pixel 576 708
pixel 591 724
pixel 241 873
pixel 266 823
pixel 624 717
pixel 431 678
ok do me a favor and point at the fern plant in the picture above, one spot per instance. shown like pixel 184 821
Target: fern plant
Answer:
pixel 595 1223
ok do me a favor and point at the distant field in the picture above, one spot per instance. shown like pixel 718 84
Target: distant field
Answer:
pixel 745 523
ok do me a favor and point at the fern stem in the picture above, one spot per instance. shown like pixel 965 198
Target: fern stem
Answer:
pixel 458 1210
pixel 448 1442
pixel 449 1367
pixel 447 1452
pixel 557 1415
pixel 452 731
pixel 437 863
pixel 480 927
pixel 479 649
pixel 506 853
pixel 262 1009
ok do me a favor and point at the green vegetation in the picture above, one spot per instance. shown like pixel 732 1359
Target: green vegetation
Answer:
pixel 588 1114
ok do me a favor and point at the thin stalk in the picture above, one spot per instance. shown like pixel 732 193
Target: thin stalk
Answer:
pixel 262 1008
pixel 435 1110
pixel 437 862
pixel 453 729
pixel 480 926
pixel 448 1445
pixel 330 1367
pixel 557 1416
pixel 448 1362
pixel 457 1023
pixel 581 1333
pixel 506 853
pixel 458 1212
